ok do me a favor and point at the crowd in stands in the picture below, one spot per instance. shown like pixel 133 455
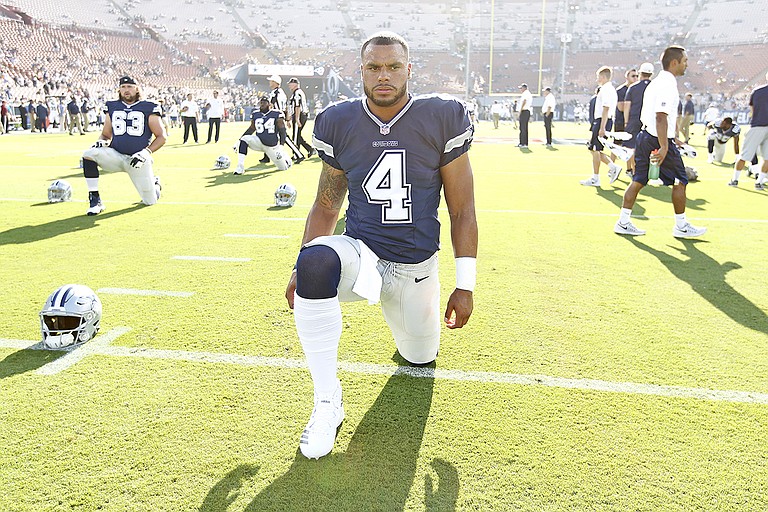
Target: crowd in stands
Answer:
pixel 88 45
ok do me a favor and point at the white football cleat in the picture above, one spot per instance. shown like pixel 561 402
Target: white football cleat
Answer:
pixel 688 231
pixel 95 205
pixel 591 182
pixel 613 172
pixel 240 169
pixel 627 229
pixel 320 433
pixel 711 158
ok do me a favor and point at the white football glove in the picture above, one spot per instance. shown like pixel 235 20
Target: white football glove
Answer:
pixel 101 143
pixel 138 159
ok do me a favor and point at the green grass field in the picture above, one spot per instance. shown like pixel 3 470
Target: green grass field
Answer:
pixel 598 372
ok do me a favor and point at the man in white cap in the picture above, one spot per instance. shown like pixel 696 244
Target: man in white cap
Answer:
pixel 279 101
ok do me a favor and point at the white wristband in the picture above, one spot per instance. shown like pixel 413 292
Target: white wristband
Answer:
pixel 466 273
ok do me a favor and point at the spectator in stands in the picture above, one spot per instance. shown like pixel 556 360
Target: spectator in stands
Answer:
pixel 189 115
pixel 604 110
pixel 548 111
pixel 215 108
pixel 756 138
pixel 526 99
pixel 75 120
pixel 687 121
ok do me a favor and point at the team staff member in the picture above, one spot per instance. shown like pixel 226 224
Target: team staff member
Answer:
pixel 548 110
pixel 215 108
pixel 756 137
pixel 604 109
pixel 390 154
pixel 526 99
pixel 132 132
pixel 633 104
pixel 299 114
pixel 620 122
pixel 189 114
pixel 658 117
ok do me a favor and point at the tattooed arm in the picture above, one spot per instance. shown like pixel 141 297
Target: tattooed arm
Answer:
pixel 331 191
pixel 324 213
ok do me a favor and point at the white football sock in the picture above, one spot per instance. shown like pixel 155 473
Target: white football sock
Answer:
pixel 92 184
pixel 736 175
pixel 761 177
pixel 240 159
pixel 624 216
pixel 680 220
pixel 318 322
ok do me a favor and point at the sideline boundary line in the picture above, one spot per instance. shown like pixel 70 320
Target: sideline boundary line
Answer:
pixel 101 346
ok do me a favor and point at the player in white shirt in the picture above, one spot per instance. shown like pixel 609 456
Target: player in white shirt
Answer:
pixel 605 108
pixel 658 116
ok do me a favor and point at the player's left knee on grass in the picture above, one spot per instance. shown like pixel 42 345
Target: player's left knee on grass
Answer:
pixel 318 272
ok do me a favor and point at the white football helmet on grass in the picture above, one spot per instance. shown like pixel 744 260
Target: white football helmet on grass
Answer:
pixel 71 314
pixel 285 195
pixel 59 191
pixel 222 162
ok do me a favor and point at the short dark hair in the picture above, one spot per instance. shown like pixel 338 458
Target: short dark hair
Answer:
pixel 605 71
pixel 670 54
pixel 385 39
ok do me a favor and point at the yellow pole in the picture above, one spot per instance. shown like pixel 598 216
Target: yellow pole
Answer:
pixel 541 42
pixel 490 67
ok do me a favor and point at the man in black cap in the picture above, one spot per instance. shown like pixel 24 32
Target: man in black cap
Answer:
pixel 299 111
pixel 132 132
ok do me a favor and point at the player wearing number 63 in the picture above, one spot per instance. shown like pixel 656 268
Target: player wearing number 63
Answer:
pixel 126 144
pixel 391 154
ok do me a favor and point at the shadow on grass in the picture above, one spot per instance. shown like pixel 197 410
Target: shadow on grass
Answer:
pixel 23 361
pixel 377 470
pixel 28 234
pixel 706 276
pixel 228 177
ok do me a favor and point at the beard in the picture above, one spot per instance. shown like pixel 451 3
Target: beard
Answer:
pixel 129 97
pixel 399 94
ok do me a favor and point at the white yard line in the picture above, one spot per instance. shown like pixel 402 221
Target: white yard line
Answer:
pixel 101 346
pixel 209 258
pixel 235 235
pixel 149 293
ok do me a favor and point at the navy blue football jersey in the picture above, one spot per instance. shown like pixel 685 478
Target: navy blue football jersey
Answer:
pixel 266 125
pixel 130 125
pixel 393 169
pixel 635 96
pixel 726 135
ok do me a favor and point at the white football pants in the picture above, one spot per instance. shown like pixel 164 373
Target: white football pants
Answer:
pixel 275 153
pixel 410 297
pixel 143 179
